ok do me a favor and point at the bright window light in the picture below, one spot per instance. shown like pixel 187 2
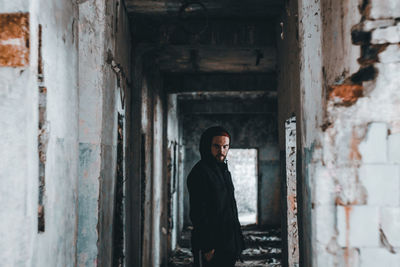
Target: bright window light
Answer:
pixel 242 164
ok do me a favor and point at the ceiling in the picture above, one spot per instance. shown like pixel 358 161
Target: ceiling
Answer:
pixel 214 9
pixel 219 36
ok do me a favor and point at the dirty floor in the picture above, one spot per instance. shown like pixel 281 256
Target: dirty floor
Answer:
pixel 263 249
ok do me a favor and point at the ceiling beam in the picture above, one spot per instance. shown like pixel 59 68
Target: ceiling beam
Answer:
pixel 216 59
pixel 216 8
pixel 186 82
pixel 229 106
pixel 232 32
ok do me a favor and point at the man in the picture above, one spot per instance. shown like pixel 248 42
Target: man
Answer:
pixel 217 238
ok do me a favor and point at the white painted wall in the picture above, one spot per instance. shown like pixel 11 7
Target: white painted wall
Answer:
pixel 353 182
pixel 350 173
pixel 82 104
pixel 18 155
pixel 100 49
pixel 57 245
pixel 21 245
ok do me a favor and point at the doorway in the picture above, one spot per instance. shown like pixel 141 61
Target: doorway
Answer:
pixel 243 165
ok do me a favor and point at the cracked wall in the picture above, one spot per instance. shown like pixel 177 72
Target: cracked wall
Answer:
pixel 104 83
pixel 346 99
pixel 38 93
pixel 64 77
pixel 354 169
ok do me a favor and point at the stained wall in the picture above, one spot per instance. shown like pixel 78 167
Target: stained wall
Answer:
pixel 64 75
pixel 347 171
pixel 104 87
pixel 358 164
pixel 39 121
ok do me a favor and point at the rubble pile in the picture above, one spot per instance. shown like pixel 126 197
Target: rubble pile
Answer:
pixel 263 248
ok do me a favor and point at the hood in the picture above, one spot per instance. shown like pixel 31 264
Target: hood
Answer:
pixel 206 138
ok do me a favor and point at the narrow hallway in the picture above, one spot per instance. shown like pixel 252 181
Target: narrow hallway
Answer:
pixel 102 108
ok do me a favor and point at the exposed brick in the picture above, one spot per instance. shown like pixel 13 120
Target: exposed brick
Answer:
pixel 358 226
pixel 347 94
pixel 373 257
pixel 394 146
pixel 386 35
pixel 14 40
pixel 382 183
pixel 390 224
pixel 384 9
pixel 373 148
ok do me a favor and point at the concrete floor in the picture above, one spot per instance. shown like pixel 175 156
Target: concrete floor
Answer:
pixel 263 248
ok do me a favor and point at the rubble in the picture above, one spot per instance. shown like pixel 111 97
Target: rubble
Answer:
pixel 263 248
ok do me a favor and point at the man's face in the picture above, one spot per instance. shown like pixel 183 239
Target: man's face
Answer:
pixel 220 147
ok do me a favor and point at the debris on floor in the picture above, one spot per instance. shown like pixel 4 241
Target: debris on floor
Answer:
pixel 263 248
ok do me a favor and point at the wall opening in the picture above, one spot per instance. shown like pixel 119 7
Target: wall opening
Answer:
pixel 243 165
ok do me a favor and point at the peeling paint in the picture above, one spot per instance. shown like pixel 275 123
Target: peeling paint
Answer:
pixel 346 94
pixel 14 40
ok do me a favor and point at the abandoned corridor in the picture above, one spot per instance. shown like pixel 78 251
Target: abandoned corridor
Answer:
pixel 102 104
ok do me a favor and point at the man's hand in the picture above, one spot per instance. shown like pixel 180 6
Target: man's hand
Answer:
pixel 209 255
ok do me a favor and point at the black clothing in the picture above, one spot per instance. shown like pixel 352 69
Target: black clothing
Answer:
pixel 220 259
pixel 213 209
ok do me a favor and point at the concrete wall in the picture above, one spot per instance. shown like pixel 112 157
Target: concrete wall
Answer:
pixel 60 79
pixel 248 131
pixel 311 97
pixel 104 75
pixel 310 62
pixel 288 103
pixel 173 174
pixel 159 229
pixel 345 99
pixel 147 185
pixel 21 244
pixel 356 174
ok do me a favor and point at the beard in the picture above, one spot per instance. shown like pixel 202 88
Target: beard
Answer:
pixel 220 158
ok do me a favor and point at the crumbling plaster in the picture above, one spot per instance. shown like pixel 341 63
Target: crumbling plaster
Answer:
pixel 103 84
pixel 354 183
pixel 22 245
pixel 345 91
pixel 78 68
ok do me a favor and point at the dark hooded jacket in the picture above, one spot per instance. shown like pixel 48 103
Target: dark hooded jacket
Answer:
pixel 213 209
